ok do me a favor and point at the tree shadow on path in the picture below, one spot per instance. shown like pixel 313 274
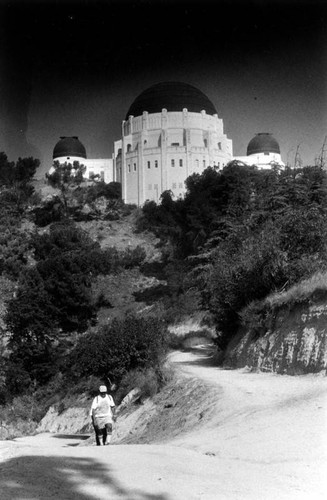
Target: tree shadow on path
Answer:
pixel 63 478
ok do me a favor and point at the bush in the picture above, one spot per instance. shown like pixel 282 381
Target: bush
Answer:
pixel 49 212
pixel 123 345
pixel 147 380
pixel 110 191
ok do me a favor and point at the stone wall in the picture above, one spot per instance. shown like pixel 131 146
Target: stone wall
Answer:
pixel 295 342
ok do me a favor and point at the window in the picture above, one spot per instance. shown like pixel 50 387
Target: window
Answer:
pixel 204 164
pixel 175 143
pixel 172 163
pixel 145 142
pixel 180 185
pixel 129 148
pixel 156 163
pixel 102 175
pixel 91 173
pixel 155 186
pixel 180 162
pixel 149 164
pixel 134 167
pixel 150 187
pixel 197 163
pixel 205 143
pixel 219 145
pixel 174 185
pixel 129 167
pixel 219 164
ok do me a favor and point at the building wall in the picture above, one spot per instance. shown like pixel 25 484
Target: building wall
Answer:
pixel 159 151
pixel 103 167
pixel 261 160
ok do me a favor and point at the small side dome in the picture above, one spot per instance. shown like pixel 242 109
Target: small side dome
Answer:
pixel 263 143
pixel 69 146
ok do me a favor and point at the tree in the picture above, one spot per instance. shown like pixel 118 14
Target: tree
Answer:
pixel 65 177
pixel 16 178
pixel 6 170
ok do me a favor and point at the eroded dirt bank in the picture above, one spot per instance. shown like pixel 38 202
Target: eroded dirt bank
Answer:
pixel 265 440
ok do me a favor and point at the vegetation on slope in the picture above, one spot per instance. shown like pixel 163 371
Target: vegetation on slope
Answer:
pixel 52 343
pixel 243 234
pixel 238 236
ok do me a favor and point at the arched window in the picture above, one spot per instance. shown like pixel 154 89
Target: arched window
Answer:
pixel 129 148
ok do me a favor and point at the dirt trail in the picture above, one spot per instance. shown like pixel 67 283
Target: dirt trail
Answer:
pixel 266 441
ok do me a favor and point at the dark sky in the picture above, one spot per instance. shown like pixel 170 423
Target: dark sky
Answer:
pixel 74 68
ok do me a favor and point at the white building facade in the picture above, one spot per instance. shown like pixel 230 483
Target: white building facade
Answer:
pixel 263 151
pixel 159 150
pixel 70 149
pixel 171 131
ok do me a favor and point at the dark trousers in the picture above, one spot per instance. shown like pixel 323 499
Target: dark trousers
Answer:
pixel 102 433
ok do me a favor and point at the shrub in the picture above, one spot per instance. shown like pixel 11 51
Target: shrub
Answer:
pixel 112 190
pixel 147 380
pixel 48 212
pixel 123 345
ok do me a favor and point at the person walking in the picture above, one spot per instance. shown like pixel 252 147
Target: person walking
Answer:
pixel 103 414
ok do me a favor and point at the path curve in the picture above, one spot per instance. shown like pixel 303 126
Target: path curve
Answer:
pixel 266 441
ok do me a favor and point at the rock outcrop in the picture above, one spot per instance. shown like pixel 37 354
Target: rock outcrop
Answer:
pixel 70 421
pixel 294 342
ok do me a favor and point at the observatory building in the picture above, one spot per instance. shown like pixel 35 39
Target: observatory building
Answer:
pixel 70 149
pixel 170 131
pixel 263 151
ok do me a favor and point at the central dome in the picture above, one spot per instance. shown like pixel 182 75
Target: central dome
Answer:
pixel 173 96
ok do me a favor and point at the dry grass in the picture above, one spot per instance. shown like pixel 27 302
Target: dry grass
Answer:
pixel 257 314
pixel 300 292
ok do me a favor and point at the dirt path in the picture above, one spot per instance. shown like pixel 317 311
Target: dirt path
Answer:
pixel 267 441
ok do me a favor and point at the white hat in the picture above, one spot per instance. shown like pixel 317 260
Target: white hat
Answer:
pixel 102 388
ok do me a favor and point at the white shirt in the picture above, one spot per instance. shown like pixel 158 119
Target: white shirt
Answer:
pixel 101 407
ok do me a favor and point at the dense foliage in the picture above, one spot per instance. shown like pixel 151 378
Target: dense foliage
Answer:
pixel 54 297
pixel 245 233
pixel 66 176
pixel 15 180
pixel 123 345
